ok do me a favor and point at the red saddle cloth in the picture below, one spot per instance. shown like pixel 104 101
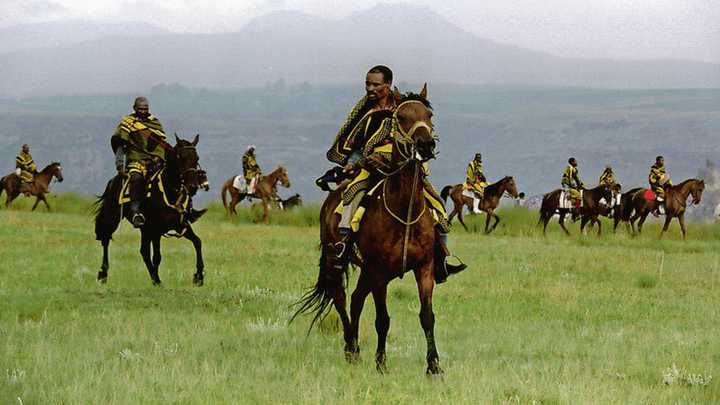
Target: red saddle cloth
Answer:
pixel 650 195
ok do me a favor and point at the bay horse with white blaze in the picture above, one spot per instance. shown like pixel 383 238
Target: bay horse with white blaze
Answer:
pixel 491 199
pixel 40 186
pixel 397 235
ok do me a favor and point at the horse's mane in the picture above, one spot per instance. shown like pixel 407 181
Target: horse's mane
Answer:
pixel 49 166
pixel 410 96
pixel 496 185
pixel 681 185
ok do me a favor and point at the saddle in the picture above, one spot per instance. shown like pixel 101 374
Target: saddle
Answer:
pixel 566 201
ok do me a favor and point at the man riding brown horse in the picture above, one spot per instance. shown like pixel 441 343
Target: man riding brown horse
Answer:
pixel 363 148
pixel 251 169
pixel 658 180
pixel 476 182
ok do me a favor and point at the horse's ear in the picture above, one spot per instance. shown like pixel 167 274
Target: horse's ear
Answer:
pixel 423 92
pixel 177 140
pixel 397 95
pixel 196 140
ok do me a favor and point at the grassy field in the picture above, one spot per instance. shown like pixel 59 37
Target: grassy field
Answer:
pixel 533 319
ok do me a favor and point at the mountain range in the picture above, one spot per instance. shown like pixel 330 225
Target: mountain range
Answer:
pixel 420 45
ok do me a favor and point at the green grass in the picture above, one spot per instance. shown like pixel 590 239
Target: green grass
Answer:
pixel 545 319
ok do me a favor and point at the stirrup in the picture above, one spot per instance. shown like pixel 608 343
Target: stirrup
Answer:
pixel 453 268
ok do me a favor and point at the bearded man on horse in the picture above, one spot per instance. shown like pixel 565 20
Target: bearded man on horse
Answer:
pixel 139 144
pixel 25 168
pixel 475 181
pixel 658 180
pixel 251 169
pixel 363 147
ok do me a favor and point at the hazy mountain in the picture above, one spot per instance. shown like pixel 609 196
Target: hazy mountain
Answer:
pixel 63 33
pixel 417 43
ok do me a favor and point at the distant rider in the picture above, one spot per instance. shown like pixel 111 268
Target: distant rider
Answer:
pixel 475 181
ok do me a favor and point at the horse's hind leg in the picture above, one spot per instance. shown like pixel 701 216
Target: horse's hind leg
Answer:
pixel 199 276
pixel 681 219
pixel 156 255
pixel 425 283
pixel 37 200
pixel 357 301
pixel 382 326
pixel 103 273
pixel 462 221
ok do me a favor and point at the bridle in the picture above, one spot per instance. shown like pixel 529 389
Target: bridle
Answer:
pixel 406 145
pixel 195 170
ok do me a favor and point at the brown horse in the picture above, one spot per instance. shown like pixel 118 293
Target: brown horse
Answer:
pixel 40 186
pixel 491 199
pixel 675 202
pixel 623 212
pixel 265 190
pixel 592 208
pixel 397 235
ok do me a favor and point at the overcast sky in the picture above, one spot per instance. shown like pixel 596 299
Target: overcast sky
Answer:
pixel 624 29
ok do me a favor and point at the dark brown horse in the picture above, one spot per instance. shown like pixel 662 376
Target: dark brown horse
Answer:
pixel 40 186
pixel 491 199
pixel 623 211
pixel 675 203
pixel 397 235
pixel 265 190
pixel 590 211
pixel 165 209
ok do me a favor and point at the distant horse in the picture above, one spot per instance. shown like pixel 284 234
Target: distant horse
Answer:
pixel 165 209
pixel 265 190
pixel 592 208
pixel 675 202
pixel 623 212
pixel 397 235
pixel 490 201
pixel 40 186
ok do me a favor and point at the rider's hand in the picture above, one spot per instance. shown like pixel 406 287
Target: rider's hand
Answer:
pixel 349 168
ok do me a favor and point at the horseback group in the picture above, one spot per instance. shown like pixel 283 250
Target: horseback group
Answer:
pixel 607 199
pixel 253 184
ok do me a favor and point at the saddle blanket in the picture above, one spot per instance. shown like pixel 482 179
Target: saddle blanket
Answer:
pixel 468 193
pixel 565 201
pixel 239 184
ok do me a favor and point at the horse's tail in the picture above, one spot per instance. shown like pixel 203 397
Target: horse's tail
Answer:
pixel 446 192
pixel 546 210
pixel 223 193
pixel 331 282
pixel 107 210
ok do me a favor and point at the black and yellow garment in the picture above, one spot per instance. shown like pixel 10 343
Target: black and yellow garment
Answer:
pixel 354 135
pixel 658 179
pixel 571 181
pixel 371 139
pixel 142 139
pixel 607 178
pixel 250 166
pixel 475 178
pixel 26 164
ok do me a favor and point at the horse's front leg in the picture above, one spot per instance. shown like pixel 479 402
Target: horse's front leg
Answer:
pixel 44 200
pixel 497 221
pixel 561 221
pixel 668 219
pixel 357 301
pixel 425 282
pixel 382 326
pixel 37 201
pixel 105 266
pixel 599 224
pixel 156 255
pixel 145 242
pixel 199 277
pixel 681 219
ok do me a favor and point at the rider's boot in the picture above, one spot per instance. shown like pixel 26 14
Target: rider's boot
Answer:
pixel 334 175
pixel 137 189
pixel 442 267
pixel 476 204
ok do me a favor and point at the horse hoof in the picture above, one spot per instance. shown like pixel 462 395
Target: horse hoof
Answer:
pixel 434 370
pixel 352 357
pixel 102 277
pixel 157 283
pixel 380 363
pixel 198 281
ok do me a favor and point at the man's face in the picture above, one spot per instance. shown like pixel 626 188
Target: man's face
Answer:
pixel 574 163
pixel 660 162
pixel 26 149
pixel 478 158
pixel 142 109
pixel 375 86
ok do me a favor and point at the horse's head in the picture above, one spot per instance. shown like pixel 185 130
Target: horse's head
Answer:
pixel 511 187
pixel 696 190
pixel 188 162
pixel 283 177
pixel 55 170
pixel 413 118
